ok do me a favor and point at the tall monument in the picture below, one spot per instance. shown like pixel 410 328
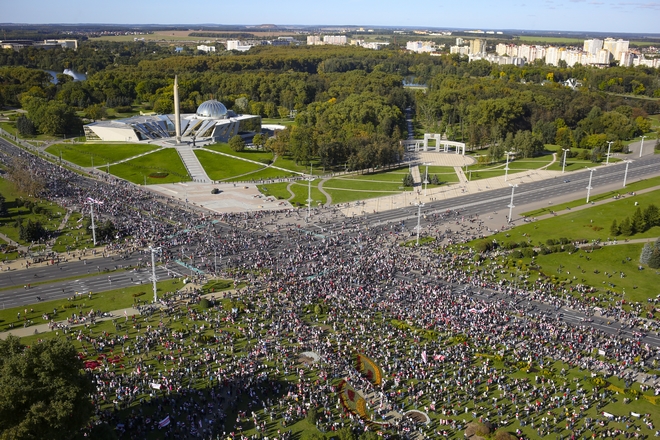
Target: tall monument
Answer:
pixel 177 114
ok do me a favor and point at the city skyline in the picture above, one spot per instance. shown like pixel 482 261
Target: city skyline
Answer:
pixel 571 15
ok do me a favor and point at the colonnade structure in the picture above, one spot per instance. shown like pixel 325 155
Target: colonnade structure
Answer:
pixel 441 145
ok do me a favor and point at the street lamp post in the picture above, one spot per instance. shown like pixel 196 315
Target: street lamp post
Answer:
pixel 309 193
pixel 426 179
pixel 513 189
pixel 625 175
pixel 419 219
pixel 609 145
pixel 153 269
pixel 506 168
pixel 641 147
pixel 589 188
pixel 563 164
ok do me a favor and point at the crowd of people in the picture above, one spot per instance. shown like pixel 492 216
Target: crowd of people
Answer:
pixel 231 367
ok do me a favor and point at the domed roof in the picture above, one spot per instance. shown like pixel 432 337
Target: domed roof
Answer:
pixel 211 109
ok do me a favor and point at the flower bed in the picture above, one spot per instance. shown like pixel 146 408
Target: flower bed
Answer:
pixel 369 369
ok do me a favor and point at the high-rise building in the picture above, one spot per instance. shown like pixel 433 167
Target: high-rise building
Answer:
pixel 477 46
pixel 334 39
pixel 314 40
pixel 593 46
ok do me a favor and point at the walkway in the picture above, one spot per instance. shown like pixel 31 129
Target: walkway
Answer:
pixel 327 195
pixel 193 165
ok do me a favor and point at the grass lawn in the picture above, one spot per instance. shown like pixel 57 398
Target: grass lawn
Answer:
pixel 165 161
pixel 73 235
pixel 445 174
pixel 257 155
pixel 263 174
pixel 301 190
pixel 219 167
pixel 631 187
pixel 610 260
pixel 354 187
pixel 91 154
pixel 589 224
pixel 50 218
pixel 289 164
pixel 277 190
pixel 485 171
pixel 104 301
pixel 277 121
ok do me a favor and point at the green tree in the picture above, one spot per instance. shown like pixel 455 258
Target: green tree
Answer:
pixel 25 126
pixel 3 206
pixel 236 143
pixel 647 252
pixel 652 216
pixel 408 180
pixel 31 230
pixel 43 390
pixel 654 260
pixel 638 222
pixel 614 229
pixel 346 434
pixel 626 227
pixel 259 140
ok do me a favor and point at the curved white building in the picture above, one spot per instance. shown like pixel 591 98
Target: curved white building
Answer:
pixel 211 122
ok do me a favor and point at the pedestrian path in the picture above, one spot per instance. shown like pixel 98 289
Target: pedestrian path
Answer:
pixel 192 163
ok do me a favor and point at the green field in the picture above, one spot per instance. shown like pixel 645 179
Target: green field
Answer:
pixel 139 170
pixel 219 167
pixel 97 155
pixel 630 187
pixel 301 190
pixel 601 267
pixel 484 171
pixel 264 157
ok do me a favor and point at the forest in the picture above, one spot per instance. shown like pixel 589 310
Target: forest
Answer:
pixel 350 102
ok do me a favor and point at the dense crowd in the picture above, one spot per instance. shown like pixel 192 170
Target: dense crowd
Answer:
pixel 194 372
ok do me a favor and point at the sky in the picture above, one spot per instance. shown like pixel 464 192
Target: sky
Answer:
pixel 562 15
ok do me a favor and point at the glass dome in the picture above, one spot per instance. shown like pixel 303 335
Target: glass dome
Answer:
pixel 211 109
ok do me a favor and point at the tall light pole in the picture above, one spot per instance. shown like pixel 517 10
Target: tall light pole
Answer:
pixel 309 193
pixel 153 269
pixel 609 145
pixel 91 202
pixel 563 163
pixel 513 189
pixel 589 188
pixel 641 147
pixel 426 179
pixel 419 219
pixel 625 175
pixel 506 167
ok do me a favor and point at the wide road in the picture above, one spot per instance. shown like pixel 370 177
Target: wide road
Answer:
pixel 569 186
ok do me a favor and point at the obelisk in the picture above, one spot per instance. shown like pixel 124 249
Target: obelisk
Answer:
pixel 177 115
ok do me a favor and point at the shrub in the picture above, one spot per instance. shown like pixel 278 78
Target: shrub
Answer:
pixel 205 303
pixel 135 295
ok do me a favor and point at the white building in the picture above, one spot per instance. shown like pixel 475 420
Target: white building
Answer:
pixel 205 48
pixel 212 121
pixel 334 39
pixel 593 46
pixel 477 46
pixel 420 46
pixel 237 45
pixel 314 40
pixel 461 50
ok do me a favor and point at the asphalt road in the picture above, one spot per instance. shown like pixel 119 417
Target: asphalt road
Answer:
pixel 22 296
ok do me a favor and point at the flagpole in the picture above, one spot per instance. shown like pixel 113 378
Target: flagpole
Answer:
pixel 91 209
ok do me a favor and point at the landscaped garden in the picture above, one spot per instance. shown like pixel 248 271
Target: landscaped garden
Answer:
pixel 162 166
pixel 97 154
